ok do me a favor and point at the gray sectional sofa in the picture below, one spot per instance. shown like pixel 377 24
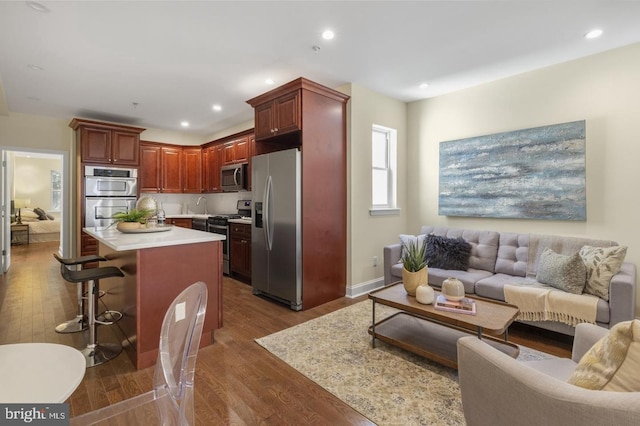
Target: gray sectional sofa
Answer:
pixel 499 258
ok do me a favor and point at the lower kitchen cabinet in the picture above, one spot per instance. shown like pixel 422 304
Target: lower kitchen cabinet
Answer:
pixel 179 221
pixel 240 251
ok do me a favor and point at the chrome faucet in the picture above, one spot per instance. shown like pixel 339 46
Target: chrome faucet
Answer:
pixel 205 204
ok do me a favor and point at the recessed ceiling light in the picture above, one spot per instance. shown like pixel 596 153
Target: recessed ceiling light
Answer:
pixel 38 6
pixel 184 123
pixel 269 81
pixel 217 108
pixel 424 85
pixel 35 67
pixel 328 35
pixel 593 34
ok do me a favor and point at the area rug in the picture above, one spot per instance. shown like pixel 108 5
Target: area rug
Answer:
pixel 388 385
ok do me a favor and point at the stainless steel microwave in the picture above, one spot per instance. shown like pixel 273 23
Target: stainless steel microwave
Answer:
pixel 234 177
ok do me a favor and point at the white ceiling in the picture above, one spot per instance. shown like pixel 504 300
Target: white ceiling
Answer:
pixel 175 59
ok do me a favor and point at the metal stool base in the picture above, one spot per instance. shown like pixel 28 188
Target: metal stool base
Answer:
pixel 101 353
pixel 108 317
pixel 72 326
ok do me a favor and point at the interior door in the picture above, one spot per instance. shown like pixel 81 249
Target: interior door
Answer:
pixel 5 228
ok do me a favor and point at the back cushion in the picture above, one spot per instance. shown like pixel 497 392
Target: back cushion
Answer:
pixel 513 254
pixel 484 244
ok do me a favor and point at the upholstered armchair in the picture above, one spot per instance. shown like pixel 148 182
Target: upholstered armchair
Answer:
pixel 499 390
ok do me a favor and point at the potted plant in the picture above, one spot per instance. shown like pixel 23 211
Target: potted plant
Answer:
pixel 414 265
pixel 133 219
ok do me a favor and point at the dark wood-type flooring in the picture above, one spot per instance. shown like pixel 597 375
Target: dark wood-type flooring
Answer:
pixel 237 382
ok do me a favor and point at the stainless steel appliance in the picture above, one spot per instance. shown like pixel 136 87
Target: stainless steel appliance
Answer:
pixel 199 223
pixel 234 177
pixel 110 182
pixel 276 242
pixel 219 224
pixel 108 190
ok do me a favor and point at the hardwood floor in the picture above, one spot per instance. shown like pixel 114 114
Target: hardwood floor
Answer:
pixel 237 381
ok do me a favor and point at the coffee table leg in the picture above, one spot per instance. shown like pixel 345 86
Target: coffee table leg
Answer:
pixel 480 333
pixel 373 326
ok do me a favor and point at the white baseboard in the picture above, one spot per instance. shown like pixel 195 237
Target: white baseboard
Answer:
pixel 365 287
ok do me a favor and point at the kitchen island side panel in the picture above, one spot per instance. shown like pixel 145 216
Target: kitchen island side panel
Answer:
pixel 156 277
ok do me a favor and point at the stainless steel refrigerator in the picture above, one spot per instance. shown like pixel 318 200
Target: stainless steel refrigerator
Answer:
pixel 276 234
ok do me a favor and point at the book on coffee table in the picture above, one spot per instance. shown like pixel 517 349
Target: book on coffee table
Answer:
pixel 462 306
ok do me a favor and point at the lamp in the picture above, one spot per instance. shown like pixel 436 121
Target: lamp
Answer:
pixel 20 203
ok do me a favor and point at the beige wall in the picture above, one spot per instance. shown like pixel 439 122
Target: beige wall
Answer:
pixel 32 180
pixel 369 234
pixel 602 89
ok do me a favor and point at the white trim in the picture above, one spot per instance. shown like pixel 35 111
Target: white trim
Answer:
pixel 365 287
pixel 376 211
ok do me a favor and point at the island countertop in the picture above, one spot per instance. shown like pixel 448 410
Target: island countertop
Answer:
pixel 118 241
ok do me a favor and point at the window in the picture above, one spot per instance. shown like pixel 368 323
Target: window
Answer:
pixel 383 170
pixel 56 191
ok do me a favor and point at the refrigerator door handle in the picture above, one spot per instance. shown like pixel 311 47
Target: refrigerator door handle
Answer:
pixel 268 232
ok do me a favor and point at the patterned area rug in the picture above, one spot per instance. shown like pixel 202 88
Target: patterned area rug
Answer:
pixel 388 385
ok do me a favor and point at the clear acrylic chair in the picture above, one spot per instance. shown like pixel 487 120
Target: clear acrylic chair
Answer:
pixel 171 400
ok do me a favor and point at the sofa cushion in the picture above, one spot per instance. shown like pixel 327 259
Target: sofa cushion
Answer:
pixel 448 253
pixel 566 273
pixel 513 254
pixel 468 277
pixel 602 263
pixel 612 364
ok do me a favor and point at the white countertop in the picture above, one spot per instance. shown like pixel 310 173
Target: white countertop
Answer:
pixel 245 221
pixel 118 241
pixel 188 216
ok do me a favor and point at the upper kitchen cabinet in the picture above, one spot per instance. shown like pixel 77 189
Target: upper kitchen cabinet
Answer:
pixel 105 143
pixel 160 168
pixel 211 157
pixel 192 170
pixel 313 118
pixel 236 151
pixel 279 116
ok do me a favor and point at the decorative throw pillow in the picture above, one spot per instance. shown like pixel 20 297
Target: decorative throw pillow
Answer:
pixel 612 364
pixel 448 253
pixel 42 215
pixel 602 263
pixel 407 239
pixel 28 213
pixel 50 216
pixel 566 273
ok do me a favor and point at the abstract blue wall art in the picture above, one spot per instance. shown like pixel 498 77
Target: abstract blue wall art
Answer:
pixel 534 173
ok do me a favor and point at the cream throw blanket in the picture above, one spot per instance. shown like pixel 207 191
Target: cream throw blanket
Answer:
pixel 547 304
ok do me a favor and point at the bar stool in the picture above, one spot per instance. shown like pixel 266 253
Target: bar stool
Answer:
pixel 78 323
pixel 95 353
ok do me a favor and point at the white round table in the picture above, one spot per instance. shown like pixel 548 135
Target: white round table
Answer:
pixel 39 372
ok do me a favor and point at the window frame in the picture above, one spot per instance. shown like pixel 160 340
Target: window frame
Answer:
pixel 390 207
pixel 53 207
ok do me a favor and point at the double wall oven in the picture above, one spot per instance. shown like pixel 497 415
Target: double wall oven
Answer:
pixel 108 190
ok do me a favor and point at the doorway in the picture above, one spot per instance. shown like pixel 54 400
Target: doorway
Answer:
pixel 34 179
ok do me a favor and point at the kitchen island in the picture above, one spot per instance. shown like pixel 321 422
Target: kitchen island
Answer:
pixel 157 266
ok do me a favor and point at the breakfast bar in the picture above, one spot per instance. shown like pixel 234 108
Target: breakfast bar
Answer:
pixel 157 266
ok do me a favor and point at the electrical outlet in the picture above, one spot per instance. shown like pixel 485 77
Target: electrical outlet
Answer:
pixel 375 260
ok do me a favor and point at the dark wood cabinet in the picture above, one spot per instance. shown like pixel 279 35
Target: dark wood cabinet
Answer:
pixel 312 117
pixel 100 143
pixel 171 170
pixel 104 143
pixel 236 151
pixel 211 156
pixel 240 251
pixel 150 167
pixel 192 170
pixel 278 116
pixel 183 222
pixel 160 168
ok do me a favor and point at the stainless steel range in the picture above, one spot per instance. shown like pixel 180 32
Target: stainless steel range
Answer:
pixel 219 224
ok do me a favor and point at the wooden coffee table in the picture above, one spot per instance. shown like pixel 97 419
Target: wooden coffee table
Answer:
pixel 433 333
